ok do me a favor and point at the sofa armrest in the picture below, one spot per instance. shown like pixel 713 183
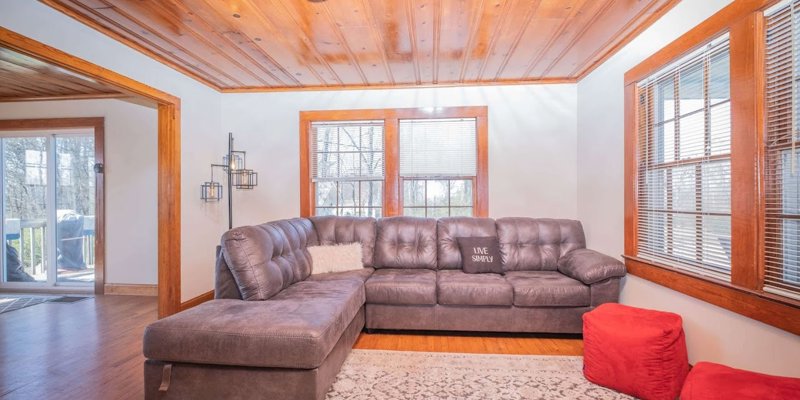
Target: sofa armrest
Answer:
pixel 589 266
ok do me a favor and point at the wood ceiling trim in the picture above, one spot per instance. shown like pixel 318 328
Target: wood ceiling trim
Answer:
pixel 606 52
pixel 197 75
pixel 544 81
pixel 4 99
pixel 553 39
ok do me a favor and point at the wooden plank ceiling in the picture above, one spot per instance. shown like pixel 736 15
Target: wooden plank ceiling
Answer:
pixel 241 45
pixel 23 78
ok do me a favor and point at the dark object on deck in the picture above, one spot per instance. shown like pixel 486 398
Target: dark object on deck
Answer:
pixel 70 241
pixel 69 299
pixel 14 266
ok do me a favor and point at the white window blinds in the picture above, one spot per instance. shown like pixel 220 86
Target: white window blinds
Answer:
pixel 438 147
pixel 347 151
pixel 782 152
pixel 684 173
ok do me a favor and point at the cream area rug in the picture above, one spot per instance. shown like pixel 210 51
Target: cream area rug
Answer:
pixel 400 375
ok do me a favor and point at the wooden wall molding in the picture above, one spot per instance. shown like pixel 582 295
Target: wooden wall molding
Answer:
pixel 391 117
pixel 197 300
pixel 169 154
pixel 743 20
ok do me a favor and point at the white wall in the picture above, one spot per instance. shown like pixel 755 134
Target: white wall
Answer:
pixel 201 136
pixel 131 138
pixel 712 333
pixel 532 143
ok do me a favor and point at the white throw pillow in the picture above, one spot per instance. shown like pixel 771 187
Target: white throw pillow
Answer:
pixel 337 258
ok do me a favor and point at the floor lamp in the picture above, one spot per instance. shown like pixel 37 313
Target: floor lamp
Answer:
pixel 238 176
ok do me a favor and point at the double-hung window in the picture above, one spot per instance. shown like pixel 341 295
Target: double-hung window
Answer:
pixel 438 166
pixel 782 153
pixel 684 163
pixel 347 163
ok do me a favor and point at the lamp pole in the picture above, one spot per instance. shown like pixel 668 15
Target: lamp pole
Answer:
pixel 230 180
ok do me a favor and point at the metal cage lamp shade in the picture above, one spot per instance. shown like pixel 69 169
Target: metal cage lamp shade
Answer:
pixel 245 179
pixel 235 160
pixel 211 191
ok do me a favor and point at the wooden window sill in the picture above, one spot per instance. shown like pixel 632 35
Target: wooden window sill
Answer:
pixel 777 311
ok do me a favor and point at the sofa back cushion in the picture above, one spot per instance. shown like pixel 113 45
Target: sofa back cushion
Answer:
pixel 333 230
pixel 406 242
pixel 529 244
pixel 448 230
pixel 267 258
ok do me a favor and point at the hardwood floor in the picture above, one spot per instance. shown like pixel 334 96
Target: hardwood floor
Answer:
pixel 92 349
pixel 469 343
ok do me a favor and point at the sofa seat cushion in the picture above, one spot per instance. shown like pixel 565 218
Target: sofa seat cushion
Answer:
pixel 287 331
pixel 360 275
pixel 547 289
pixel 455 287
pixel 402 286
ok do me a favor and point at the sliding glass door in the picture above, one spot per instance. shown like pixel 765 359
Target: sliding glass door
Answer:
pixel 48 209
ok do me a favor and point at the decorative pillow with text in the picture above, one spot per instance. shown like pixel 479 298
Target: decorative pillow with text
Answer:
pixel 480 255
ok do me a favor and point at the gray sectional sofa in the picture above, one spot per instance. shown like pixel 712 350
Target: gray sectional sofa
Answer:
pixel 277 331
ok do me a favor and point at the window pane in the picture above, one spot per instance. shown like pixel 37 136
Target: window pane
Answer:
pixel 461 212
pixel 321 211
pixel 665 100
pixel 720 121
pixel 692 136
pixel 717 187
pixel 75 202
pixel 348 194
pixel 26 208
pixel 436 193
pixel 438 147
pixel 665 142
pixel 348 212
pixel 719 78
pixel 371 194
pixel 691 89
pixel 414 212
pixel 326 194
pixel 461 193
pixel 438 212
pixel 683 188
pixel 414 192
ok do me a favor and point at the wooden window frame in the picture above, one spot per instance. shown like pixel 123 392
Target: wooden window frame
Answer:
pixel 392 198
pixel 744 21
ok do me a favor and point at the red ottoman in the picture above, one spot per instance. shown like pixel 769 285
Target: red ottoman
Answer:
pixel 635 351
pixel 713 381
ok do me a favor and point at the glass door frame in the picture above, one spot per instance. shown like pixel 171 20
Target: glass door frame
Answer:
pixel 51 129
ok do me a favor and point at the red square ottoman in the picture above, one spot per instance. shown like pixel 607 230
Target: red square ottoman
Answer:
pixel 635 351
pixel 710 381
